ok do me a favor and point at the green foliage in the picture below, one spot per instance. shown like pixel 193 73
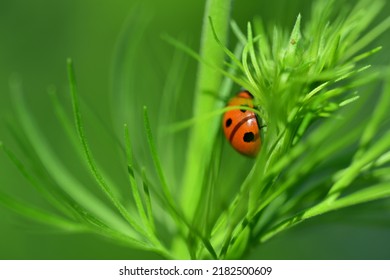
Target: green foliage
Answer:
pixel 297 81
pixel 310 88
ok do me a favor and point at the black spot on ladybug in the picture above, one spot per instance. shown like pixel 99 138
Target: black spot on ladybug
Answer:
pixel 228 122
pixel 248 137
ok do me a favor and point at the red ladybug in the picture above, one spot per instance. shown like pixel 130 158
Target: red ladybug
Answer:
pixel 241 127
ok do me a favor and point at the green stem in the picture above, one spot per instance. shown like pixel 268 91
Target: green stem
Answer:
pixel 208 80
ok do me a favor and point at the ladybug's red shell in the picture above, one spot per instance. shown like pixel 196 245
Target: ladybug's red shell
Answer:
pixel 241 127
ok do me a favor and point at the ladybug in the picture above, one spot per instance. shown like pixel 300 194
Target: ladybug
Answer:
pixel 241 127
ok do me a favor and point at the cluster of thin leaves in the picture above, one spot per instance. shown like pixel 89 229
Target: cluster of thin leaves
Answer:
pixel 129 220
pixel 79 209
pixel 308 165
pixel 296 80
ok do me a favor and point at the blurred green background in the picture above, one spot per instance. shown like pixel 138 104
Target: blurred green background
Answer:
pixel 36 37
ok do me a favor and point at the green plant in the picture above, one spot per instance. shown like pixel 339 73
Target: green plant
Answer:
pixel 305 84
